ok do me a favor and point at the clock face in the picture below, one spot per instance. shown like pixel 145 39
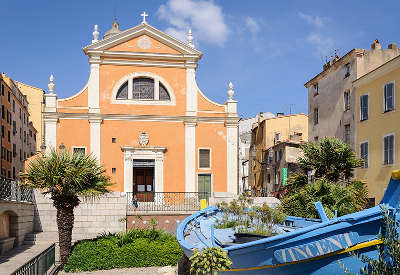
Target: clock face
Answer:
pixel 144 43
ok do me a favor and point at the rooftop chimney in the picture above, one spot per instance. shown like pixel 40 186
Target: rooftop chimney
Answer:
pixel 376 45
pixel 392 46
pixel 260 117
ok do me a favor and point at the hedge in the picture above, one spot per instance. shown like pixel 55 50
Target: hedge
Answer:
pixel 141 250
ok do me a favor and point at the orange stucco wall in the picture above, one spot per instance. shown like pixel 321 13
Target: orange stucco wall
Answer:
pixel 162 134
pixel 73 132
pixel 213 136
pixel 78 100
pixel 131 46
pixel 205 105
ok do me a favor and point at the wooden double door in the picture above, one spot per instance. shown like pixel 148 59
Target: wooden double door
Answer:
pixel 143 183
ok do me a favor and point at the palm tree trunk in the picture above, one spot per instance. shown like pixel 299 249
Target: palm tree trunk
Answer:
pixel 65 223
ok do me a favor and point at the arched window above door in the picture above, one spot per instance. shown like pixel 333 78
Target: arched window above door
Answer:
pixel 143 89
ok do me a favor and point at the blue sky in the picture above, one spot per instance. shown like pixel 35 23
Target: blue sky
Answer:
pixel 268 49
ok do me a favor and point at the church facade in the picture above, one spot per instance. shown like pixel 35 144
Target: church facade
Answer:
pixel 142 115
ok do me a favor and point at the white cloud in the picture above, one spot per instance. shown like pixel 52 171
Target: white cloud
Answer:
pixel 317 21
pixel 252 25
pixel 322 44
pixel 204 17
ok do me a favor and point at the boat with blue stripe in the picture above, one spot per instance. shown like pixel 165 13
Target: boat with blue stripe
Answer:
pixel 303 246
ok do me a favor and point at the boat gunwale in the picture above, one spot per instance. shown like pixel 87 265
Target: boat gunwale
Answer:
pixel 370 212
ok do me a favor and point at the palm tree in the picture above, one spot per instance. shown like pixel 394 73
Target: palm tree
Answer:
pixel 66 178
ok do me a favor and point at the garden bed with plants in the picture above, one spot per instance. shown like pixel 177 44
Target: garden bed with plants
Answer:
pixel 132 248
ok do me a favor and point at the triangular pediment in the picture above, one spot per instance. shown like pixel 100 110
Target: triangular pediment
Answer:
pixel 143 38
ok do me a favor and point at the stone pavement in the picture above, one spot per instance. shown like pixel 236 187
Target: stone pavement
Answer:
pixel 155 270
pixel 17 257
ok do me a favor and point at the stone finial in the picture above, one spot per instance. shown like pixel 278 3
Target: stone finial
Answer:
pixel 144 15
pixel 190 38
pixel 95 34
pixel 376 45
pixel 51 84
pixel 230 92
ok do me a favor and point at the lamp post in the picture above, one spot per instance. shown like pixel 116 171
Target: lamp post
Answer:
pixel 253 154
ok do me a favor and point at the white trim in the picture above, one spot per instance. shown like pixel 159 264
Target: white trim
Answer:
pixel 50 129
pixel 383 97
pixel 130 77
pixel 93 88
pixel 191 92
pixel 383 149
pixel 232 158
pixel 198 158
pixel 95 137
pixel 359 147
pixel 138 31
pixel 78 147
pixel 156 153
pixel 211 183
pixel 190 156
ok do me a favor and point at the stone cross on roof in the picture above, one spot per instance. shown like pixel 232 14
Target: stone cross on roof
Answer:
pixel 144 15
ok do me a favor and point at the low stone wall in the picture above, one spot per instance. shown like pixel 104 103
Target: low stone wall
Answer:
pixel 92 217
pixel 167 221
pixel 20 216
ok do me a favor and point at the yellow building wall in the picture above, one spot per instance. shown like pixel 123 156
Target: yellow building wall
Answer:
pixel 264 138
pixel 378 125
pixel 35 98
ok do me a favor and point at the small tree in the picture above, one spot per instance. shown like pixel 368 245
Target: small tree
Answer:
pixel 66 177
pixel 209 260
pixel 330 158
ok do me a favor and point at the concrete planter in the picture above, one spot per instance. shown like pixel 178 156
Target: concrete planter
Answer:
pixel 6 245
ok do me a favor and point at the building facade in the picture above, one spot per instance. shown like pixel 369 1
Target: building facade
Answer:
pixel 18 140
pixel 245 130
pixel 267 133
pixel 378 128
pixel 331 100
pixel 35 98
pixel 144 118
pixel 281 162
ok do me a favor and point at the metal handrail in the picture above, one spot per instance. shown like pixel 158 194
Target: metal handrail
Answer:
pixel 12 191
pixel 165 201
pixel 39 265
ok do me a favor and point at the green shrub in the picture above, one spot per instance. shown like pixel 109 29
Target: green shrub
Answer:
pixel 344 197
pixel 132 248
pixel 209 260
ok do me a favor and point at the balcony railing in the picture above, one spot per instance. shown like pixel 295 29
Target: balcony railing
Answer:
pixel 12 191
pixel 40 265
pixel 165 201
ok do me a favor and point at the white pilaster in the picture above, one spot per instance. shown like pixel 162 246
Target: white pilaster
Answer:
pixel 93 85
pixel 190 156
pixel 95 137
pixel 159 173
pixel 50 129
pixel 128 172
pixel 232 157
pixel 191 94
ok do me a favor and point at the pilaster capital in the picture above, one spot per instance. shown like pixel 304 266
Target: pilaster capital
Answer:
pixel 51 120
pixel 190 123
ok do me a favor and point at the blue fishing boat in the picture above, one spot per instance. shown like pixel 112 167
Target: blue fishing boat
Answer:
pixel 304 246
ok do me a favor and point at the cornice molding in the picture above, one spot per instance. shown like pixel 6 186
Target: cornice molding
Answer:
pixel 144 148
pixel 140 30
pixel 127 117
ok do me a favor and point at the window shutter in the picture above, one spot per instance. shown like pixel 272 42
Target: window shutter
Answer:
pixel 204 158
pixel 390 149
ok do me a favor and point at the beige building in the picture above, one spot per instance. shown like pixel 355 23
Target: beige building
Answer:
pixel 35 97
pixel 377 123
pixel 331 97
pixel 267 133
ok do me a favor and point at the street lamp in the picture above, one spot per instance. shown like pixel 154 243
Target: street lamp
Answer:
pixel 253 154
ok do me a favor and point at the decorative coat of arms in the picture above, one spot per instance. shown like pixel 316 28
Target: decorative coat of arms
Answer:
pixel 143 138
pixel 144 43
